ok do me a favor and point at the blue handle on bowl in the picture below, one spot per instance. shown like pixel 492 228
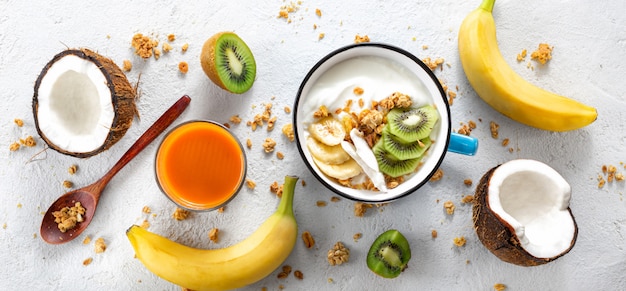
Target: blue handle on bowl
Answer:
pixel 462 144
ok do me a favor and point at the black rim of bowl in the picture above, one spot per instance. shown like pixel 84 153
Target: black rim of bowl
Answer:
pixel 428 71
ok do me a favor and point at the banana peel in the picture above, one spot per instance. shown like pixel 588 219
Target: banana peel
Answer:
pixel 232 267
pixel 505 90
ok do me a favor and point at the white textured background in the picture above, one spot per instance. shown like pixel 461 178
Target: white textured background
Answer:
pixel 589 64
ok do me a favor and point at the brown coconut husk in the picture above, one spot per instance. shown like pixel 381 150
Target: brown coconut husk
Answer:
pixel 123 99
pixel 498 236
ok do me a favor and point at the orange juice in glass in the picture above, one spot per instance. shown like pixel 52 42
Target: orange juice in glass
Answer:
pixel 200 165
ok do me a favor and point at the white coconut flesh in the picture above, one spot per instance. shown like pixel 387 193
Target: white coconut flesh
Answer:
pixel 533 199
pixel 75 105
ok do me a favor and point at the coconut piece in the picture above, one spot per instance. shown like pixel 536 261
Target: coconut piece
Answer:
pixel 521 213
pixel 83 103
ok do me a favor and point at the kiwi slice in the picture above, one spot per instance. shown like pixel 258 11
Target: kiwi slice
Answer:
pixel 228 62
pixel 389 254
pixel 404 150
pixel 412 124
pixel 391 165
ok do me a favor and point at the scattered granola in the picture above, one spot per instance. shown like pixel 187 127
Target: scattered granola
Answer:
pixel 221 209
pixel 146 210
pixel 268 145
pixel 180 214
pixel 171 37
pixel 68 184
pixel 29 141
pixel 287 109
pixel 298 274
pixel 318 12
pixel 183 67
pixel 360 208
pixel 467 199
pixel 522 55
pixel 277 189
pixel 321 36
pixel 251 184
pixel 449 207
pixel 18 122
pixel 72 169
pixel 100 246
pixel 184 47
pixel 280 155
pixel 611 174
pixel 308 239
pixel 249 143
pixel 87 240
pixel 288 132
pixel 213 235
pixel 144 46
pixel 499 287
pixel 235 119
pixel 127 65
pixel 338 255
pixel 320 203
pixel 357 236
pixel 505 142
pixel 14 146
pixel 543 53
pixel 437 176
pixel 361 39
pixel 335 199
pixel 68 217
pixel 494 127
pixel 459 241
pixel 468 182
pixel 433 233
pixel 87 261
pixel 433 64
pixel 166 47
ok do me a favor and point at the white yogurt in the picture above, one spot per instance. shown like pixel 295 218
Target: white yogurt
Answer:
pixel 378 77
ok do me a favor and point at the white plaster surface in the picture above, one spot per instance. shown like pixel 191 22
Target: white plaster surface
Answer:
pixel 589 64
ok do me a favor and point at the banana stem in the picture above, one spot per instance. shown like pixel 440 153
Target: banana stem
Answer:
pixel 286 202
pixel 487 5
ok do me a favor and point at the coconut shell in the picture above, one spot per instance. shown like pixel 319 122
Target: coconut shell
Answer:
pixel 122 93
pixel 498 236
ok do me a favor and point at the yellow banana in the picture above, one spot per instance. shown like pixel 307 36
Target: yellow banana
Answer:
pixel 222 269
pixel 506 91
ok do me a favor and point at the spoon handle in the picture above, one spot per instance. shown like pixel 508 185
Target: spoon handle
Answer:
pixel 151 133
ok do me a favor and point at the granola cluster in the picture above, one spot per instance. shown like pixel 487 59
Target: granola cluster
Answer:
pixel 338 255
pixel 68 217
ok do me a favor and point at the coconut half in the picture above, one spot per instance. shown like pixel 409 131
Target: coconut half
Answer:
pixel 521 213
pixel 83 103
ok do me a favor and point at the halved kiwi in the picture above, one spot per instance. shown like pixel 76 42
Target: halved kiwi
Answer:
pixel 412 124
pixel 391 165
pixel 404 150
pixel 228 62
pixel 389 255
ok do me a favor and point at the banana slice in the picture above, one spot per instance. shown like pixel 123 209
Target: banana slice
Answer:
pixel 332 155
pixel 341 171
pixel 328 130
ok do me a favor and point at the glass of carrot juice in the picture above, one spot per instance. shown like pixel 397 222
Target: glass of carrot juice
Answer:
pixel 200 165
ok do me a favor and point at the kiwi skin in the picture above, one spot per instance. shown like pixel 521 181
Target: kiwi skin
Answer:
pixel 209 58
pixel 389 255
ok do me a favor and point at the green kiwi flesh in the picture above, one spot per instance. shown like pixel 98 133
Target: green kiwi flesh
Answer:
pixel 235 64
pixel 391 165
pixel 412 124
pixel 404 150
pixel 389 255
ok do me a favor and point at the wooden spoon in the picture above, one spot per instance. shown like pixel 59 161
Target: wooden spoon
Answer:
pixel 90 195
